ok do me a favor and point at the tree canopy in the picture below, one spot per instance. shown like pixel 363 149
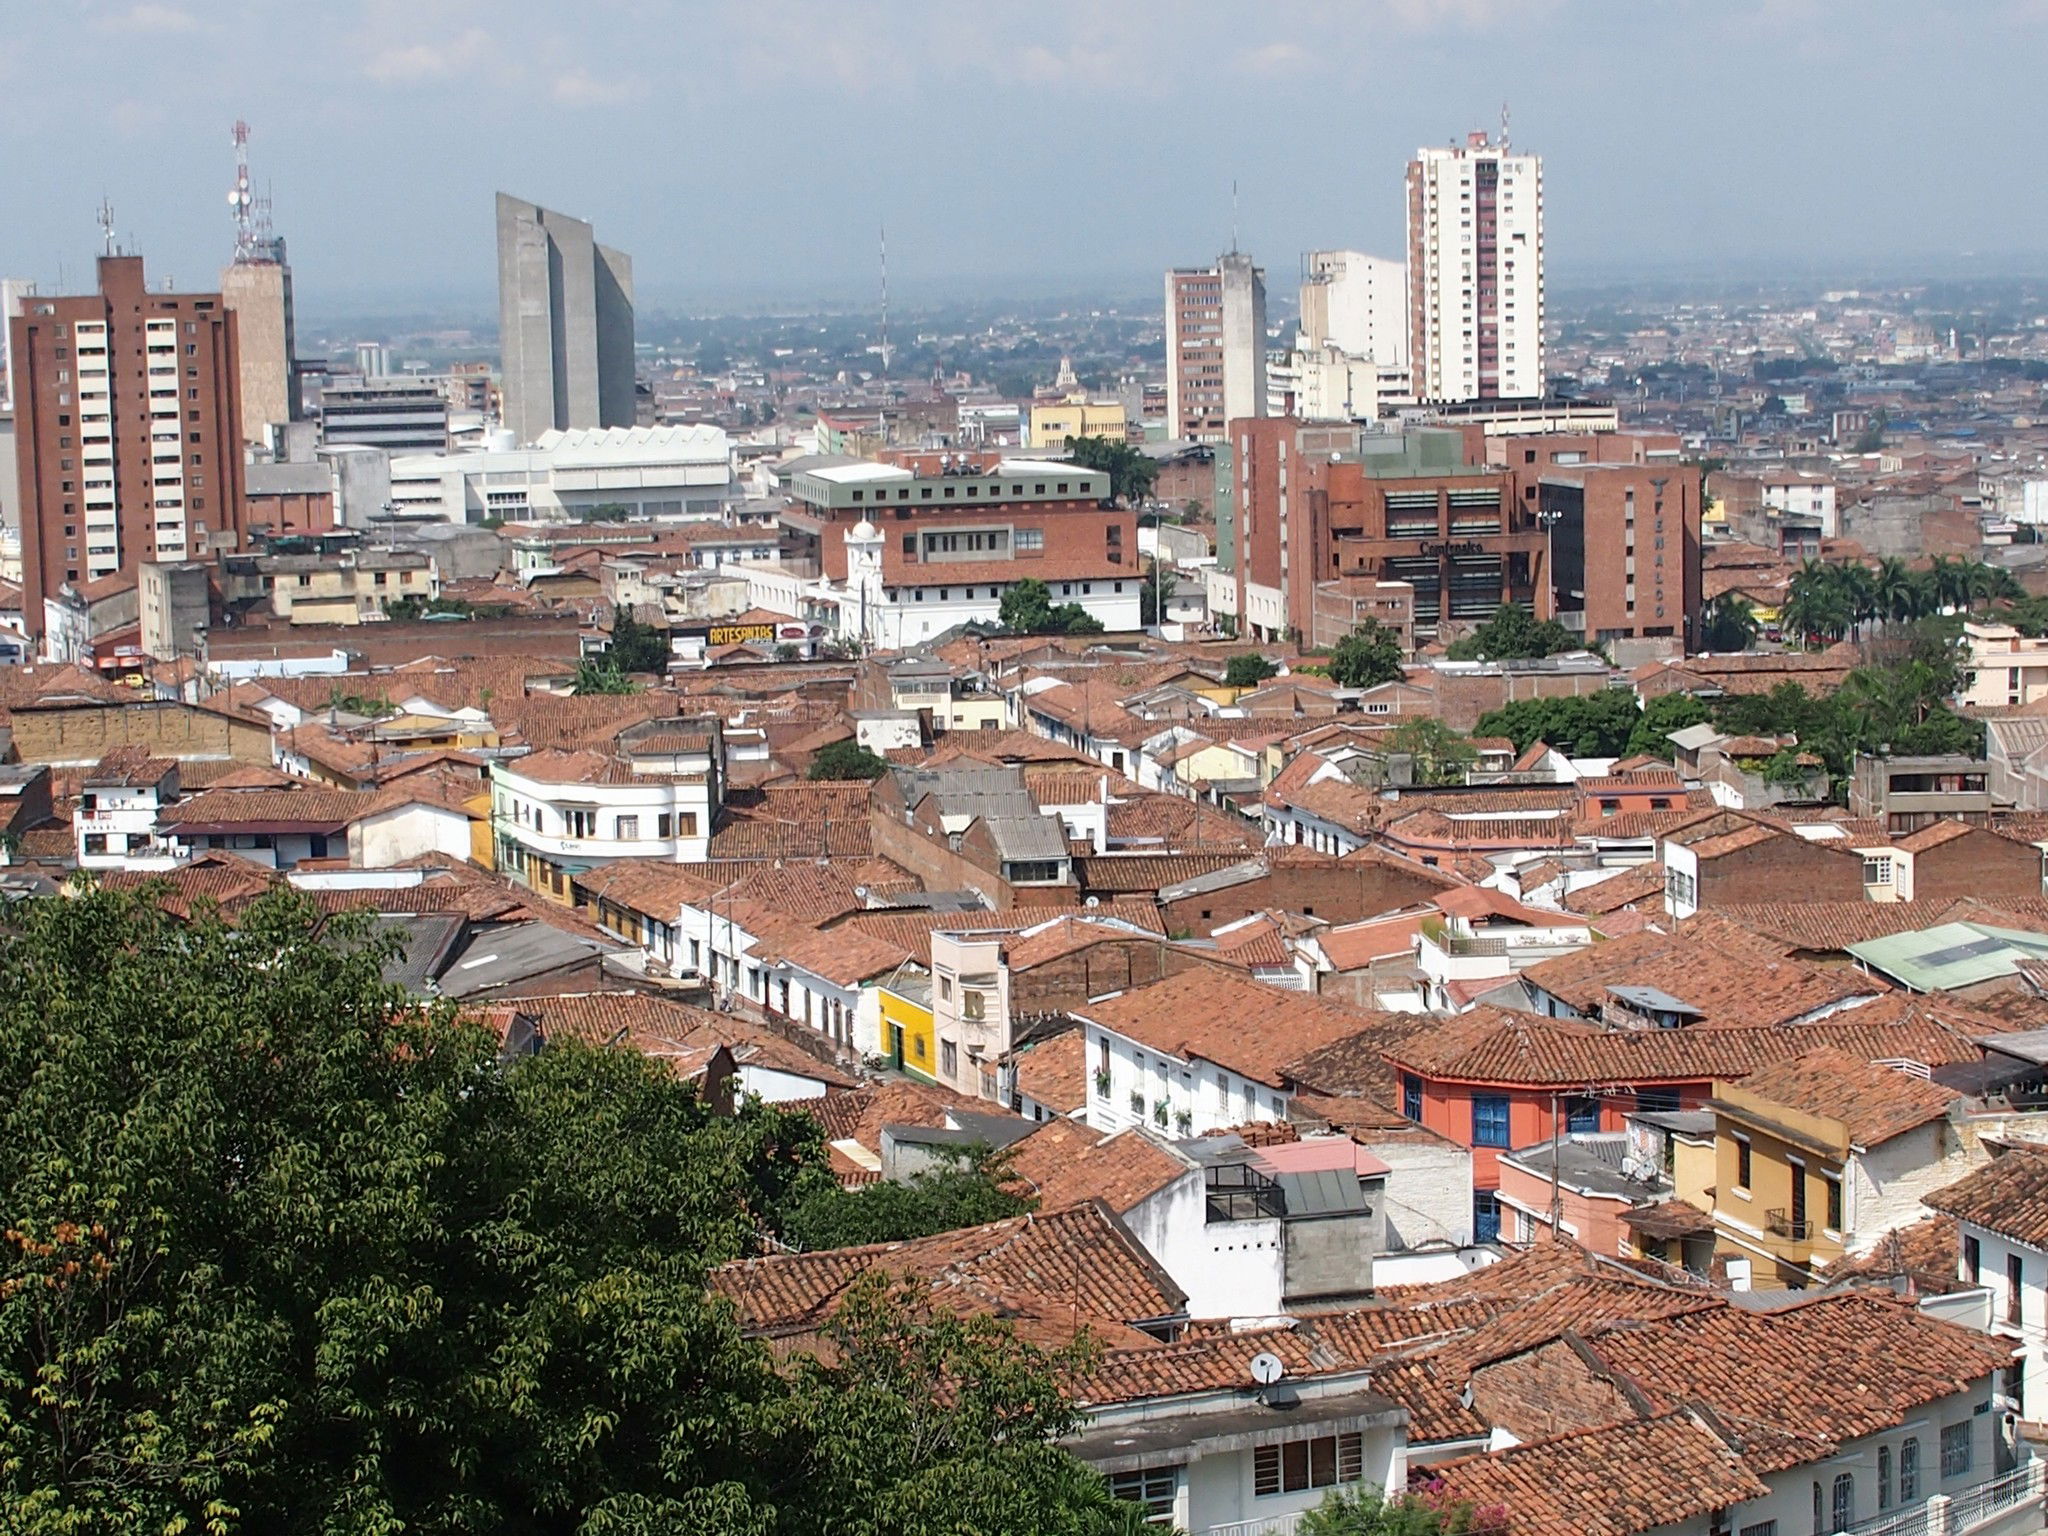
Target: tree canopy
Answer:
pixel 1132 474
pixel 1513 635
pixel 286 1252
pixel 1368 656
pixel 966 1194
pixel 846 759
pixel 1247 669
pixel 1440 754
pixel 1827 602
pixel 637 647
pixel 1028 609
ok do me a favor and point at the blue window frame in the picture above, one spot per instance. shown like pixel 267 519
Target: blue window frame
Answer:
pixel 1489 1120
pixel 1485 1216
pixel 1411 1098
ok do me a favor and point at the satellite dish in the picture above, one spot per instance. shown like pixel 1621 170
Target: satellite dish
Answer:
pixel 1266 1368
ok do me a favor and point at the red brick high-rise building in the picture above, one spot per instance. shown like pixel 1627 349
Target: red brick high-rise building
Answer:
pixel 128 430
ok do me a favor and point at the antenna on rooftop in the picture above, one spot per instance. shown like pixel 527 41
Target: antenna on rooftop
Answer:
pixel 885 303
pixel 1233 215
pixel 1503 126
pixel 241 201
pixel 106 217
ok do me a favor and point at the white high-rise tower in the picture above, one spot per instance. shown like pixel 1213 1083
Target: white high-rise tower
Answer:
pixel 1475 271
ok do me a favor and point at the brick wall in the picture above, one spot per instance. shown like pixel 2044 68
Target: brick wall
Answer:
pixel 1114 965
pixel 1463 698
pixel 1983 865
pixel 1784 869
pixel 88 733
pixel 1337 893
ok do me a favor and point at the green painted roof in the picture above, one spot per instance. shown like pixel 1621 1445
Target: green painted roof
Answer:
pixel 1951 955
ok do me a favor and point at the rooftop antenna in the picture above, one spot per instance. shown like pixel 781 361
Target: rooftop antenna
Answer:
pixel 1503 125
pixel 1233 215
pixel 241 201
pixel 885 302
pixel 106 217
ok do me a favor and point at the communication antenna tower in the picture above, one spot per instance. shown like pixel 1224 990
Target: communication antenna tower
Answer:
pixel 241 201
pixel 885 302
pixel 1503 126
pixel 106 216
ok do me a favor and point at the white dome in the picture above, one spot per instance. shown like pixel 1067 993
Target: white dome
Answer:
pixel 865 532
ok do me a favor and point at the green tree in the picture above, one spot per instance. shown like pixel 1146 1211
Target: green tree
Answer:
pixel 846 759
pixel 285 1252
pixel 1247 669
pixel 1588 725
pixel 1373 1512
pixel 1368 656
pixel 1512 634
pixel 967 1193
pixel 1665 714
pixel 600 674
pixel 1158 590
pixel 1728 624
pixel 1028 609
pixel 1441 755
pixel 1132 473
pixel 637 647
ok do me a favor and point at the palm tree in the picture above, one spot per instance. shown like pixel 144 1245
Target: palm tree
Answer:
pixel 1898 595
pixel 1858 592
pixel 1728 624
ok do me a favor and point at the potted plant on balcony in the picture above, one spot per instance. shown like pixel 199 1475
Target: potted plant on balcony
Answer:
pixel 1184 1122
pixel 1137 1102
pixel 1102 1083
pixel 1159 1114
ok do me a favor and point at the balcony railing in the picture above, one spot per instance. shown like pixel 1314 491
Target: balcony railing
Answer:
pixel 1265 1525
pixel 1962 1513
pixel 1783 1224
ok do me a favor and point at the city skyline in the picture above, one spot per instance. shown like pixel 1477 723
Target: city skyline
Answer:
pixel 623 125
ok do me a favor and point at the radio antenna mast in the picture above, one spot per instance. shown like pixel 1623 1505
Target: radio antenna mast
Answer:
pixel 241 201
pixel 885 302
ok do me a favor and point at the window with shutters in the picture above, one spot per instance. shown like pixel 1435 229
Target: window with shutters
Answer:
pixel 1323 1462
pixel 1152 1489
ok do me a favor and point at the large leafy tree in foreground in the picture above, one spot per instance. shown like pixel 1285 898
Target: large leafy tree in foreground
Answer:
pixel 284 1253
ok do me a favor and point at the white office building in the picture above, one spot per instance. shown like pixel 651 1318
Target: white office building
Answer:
pixel 1475 272
pixel 666 474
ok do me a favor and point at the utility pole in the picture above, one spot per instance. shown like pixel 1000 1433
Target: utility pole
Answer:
pixel 1556 1178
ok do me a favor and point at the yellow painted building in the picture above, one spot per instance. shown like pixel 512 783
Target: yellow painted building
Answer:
pixel 908 1040
pixel 1055 426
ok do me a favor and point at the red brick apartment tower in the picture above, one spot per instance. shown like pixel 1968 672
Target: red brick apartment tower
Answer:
pixel 128 430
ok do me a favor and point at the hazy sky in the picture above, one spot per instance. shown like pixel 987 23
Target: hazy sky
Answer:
pixel 751 147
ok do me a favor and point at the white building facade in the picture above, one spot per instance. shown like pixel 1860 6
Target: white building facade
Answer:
pixel 1475 272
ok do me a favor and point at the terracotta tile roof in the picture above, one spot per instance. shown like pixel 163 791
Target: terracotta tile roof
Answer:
pixel 860 1115
pixel 1612 1481
pixel 1058 938
pixel 2009 1196
pixel 1080 1263
pixel 1494 1046
pixel 748 839
pixel 1354 946
pixel 1927 1254
pixel 1825 926
pixel 1840 1366
pixel 1107 874
pixel 1736 979
pixel 1874 1103
pixel 668 1031
pixel 1356 1065
pixel 1645 883
pixel 802 890
pixel 1182 826
pixel 913 930
pixel 1250 1027
pixel 1054 1072
pixel 1065 1163
pixel 842 957
pixel 655 888
pixel 306 804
